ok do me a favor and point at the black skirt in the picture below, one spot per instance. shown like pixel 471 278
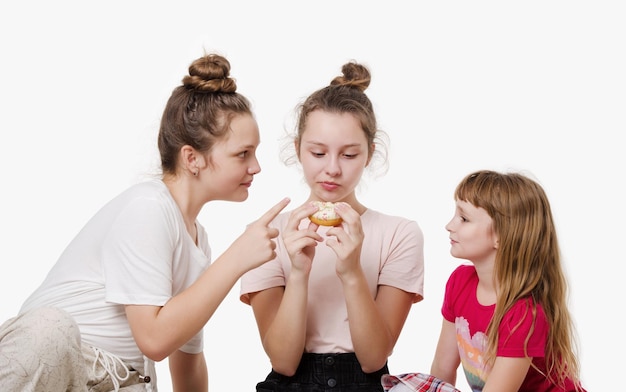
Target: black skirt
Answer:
pixel 325 373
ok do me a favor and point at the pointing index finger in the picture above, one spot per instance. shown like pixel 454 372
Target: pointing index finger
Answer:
pixel 273 212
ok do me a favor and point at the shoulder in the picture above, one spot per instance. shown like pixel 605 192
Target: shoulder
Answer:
pixel 146 190
pixel 377 216
pixel 464 270
pixel 376 219
pixel 392 232
pixel 462 274
pixel 526 309
pixel 146 202
pixel 523 330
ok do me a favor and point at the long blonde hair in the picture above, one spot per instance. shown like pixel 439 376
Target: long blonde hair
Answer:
pixel 528 262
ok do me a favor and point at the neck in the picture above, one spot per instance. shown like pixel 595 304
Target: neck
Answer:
pixel 486 290
pixel 182 192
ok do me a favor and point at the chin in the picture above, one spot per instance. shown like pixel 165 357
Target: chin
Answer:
pixel 240 197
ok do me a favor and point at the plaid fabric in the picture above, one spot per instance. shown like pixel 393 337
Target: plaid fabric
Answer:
pixel 417 382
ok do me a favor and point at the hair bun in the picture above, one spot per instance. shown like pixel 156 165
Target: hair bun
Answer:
pixel 354 75
pixel 210 74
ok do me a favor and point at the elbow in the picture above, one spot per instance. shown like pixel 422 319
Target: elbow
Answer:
pixel 155 351
pixel 286 369
pixel 374 359
pixel 284 361
pixel 157 355
pixel 285 365
pixel 372 367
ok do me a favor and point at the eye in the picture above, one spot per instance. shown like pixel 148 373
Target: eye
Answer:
pixel 463 219
pixel 350 156
pixel 243 154
pixel 317 154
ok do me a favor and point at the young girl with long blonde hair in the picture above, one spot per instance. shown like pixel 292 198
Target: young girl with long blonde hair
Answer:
pixel 506 318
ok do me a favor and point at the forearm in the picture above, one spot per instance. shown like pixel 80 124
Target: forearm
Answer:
pixel 189 372
pixel 160 333
pixel 372 340
pixel 447 359
pixel 507 374
pixel 285 339
pixel 445 373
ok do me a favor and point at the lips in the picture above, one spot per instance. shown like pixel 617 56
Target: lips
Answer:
pixel 329 186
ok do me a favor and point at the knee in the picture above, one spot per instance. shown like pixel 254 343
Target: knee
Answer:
pixel 51 326
pixel 41 346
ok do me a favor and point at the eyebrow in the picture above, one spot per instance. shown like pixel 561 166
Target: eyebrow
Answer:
pixel 461 209
pixel 245 147
pixel 323 144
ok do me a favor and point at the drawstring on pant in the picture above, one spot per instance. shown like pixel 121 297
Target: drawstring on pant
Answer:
pixel 109 362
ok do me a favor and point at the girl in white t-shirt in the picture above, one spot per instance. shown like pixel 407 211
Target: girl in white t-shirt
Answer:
pixel 117 297
pixel 331 305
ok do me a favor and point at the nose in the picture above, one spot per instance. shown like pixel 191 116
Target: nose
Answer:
pixel 449 226
pixel 332 166
pixel 254 168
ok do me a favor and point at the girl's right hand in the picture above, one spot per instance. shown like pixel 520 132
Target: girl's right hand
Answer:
pixel 301 243
pixel 257 245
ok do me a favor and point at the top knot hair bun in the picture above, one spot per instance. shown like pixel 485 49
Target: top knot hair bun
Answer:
pixel 354 75
pixel 210 74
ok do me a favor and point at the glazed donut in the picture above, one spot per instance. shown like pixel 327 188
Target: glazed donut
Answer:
pixel 325 215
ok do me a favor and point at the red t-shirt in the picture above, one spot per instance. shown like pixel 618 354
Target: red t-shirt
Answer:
pixel 461 307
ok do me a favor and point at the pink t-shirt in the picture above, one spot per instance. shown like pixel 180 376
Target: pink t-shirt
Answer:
pixel 461 307
pixel 392 254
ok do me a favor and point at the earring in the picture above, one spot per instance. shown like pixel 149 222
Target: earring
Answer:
pixel 195 173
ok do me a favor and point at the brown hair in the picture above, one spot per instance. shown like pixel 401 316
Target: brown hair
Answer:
pixel 199 112
pixel 528 261
pixel 345 94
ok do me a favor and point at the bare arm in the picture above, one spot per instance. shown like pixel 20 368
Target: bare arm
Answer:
pixel 189 372
pixel 159 331
pixel 375 323
pixel 447 359
pixel 507 374
pixel 281 312
pixel 281 319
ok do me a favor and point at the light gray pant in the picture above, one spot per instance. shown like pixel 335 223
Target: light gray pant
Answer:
pixel 41 351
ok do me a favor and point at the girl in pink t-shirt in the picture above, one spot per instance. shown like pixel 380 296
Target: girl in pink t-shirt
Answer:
pixel 505 316
pixel 331 305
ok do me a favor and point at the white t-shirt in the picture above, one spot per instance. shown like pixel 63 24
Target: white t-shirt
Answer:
pixel 392 254
pixel 135 250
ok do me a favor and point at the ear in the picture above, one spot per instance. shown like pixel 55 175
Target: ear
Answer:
pixel 192 160
pixel 296 146
pixel 371 154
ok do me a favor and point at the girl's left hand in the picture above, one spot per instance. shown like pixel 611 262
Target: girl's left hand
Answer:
pixel 347 240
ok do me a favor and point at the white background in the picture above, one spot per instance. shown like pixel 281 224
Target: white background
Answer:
pixel 537 86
